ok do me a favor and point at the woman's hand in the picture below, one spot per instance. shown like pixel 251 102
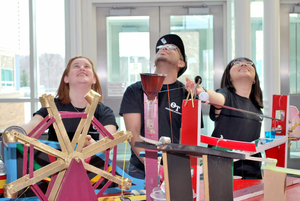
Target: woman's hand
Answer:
pixel 190 84
pixel 88 141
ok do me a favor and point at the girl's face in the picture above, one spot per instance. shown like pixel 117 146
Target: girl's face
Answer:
pixel 81 72
pixel 242 69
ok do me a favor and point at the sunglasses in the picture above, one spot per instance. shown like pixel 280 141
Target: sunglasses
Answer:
pixel 170 47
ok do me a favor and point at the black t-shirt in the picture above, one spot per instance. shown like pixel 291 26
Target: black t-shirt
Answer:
pixel 235 125
pixel 133 102
pixel 102 113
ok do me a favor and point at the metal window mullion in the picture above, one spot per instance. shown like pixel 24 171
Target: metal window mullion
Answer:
pixel 33 54
pixel 297 48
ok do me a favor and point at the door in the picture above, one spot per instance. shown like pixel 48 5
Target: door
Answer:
pixel 126 39
pixel 290 69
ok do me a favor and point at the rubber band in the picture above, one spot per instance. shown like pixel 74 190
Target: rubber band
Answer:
pixel 279 100
pixel 221 138
pixel 23 193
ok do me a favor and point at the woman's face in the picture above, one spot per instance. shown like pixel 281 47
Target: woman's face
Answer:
pixel 242 69
pixel 81 72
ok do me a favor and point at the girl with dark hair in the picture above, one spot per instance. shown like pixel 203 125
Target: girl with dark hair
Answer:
pixel 239 89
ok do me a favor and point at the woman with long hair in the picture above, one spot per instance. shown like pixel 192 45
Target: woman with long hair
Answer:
pixel 77 80
pixel 240 89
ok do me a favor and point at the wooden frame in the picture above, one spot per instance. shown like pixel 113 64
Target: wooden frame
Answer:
pixel 215 161
pixel 71 155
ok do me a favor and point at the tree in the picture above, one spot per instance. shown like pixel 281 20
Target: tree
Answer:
pixel 24 78
pixel 51 67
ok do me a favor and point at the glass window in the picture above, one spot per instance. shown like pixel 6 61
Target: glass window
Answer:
pixel 294 53
pixel 13 43
pixel 16 70
pixel 127 52
pixel 127 48
pixel 294 75
pixel 7 71
pixel 7 78
pixel 196 32
pixel 50 32
pixel 257 49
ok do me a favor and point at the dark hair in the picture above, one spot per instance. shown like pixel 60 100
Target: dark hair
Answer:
pixel 63 89
pixel 256 93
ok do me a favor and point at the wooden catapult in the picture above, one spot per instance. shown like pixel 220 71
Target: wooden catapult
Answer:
pixel 69 179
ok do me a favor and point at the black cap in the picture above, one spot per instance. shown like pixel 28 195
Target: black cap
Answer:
pixel 176 40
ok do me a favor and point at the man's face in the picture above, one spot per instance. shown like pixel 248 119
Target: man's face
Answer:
pixel 168 53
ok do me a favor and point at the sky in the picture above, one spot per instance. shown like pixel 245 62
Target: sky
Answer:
pixel 50 31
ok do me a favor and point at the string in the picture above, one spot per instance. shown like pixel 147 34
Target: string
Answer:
pixel 171 89
pixel 76 108
pixel 123 168
pixel 22 193
pixel 169 108
pixel 232 108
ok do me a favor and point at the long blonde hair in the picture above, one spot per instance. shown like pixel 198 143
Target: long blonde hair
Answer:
pixel 63 89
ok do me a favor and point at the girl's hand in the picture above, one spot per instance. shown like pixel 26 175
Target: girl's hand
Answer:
pixel 88 141
pixel 191 85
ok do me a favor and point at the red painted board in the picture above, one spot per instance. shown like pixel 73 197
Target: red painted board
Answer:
pixel 190 132
pixel 229 144
pixel 245 183
pixel 280 103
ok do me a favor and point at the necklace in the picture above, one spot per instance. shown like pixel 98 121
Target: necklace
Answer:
pixel 78 108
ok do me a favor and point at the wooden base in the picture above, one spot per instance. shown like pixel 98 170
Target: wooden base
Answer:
pixel 178 180
pixel 217 171
pixel 274 186
pixel 253 190
pixel 217 174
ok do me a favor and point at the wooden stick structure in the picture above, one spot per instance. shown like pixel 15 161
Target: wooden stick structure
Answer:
pixel 192 97
pixel 177 170
pixel 63 170
pixel 275 181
